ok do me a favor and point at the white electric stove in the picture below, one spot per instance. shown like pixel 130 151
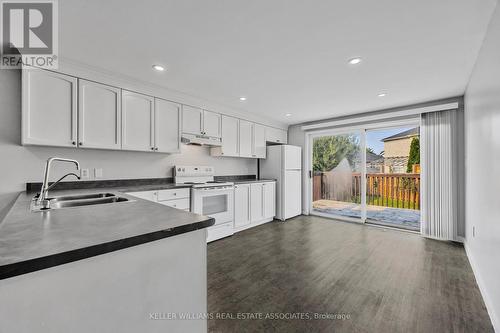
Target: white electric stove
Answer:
pixel 209 197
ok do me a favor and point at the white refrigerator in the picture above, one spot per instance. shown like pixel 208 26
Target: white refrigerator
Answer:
pixel 284 163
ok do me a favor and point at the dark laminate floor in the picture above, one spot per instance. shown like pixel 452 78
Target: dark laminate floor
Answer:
pixel 385 280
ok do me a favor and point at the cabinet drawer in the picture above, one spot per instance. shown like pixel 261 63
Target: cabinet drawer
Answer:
pixel 178 203
pixel 180 193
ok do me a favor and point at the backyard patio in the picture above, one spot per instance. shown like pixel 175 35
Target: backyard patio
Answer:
pixel 392 199
pixel 396 217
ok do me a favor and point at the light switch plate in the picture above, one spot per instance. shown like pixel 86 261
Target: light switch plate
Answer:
pixel 98 173
pixel 84 174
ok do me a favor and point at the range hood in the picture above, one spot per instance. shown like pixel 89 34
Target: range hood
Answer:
pixel 200 140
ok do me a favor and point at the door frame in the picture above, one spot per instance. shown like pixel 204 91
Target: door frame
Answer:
pixel 361 129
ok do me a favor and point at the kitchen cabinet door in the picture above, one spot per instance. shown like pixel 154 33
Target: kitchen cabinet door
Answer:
pixel 269 200
pixel 192 120
pixel 99 115
pixel 241 205
pixel 246 136
pixel 256 202
pixel 137 121
pixel 167 126
pixel 211 124
pixel 49 108
pixel 230 138
pixel 259 141
pixel 276 135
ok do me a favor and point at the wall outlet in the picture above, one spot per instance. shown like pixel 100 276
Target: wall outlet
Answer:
pixel 98 173
pixel 84 174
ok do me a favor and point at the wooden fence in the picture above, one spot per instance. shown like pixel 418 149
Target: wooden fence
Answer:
pixel 388 190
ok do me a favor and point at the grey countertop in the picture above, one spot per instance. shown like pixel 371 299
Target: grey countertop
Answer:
pixel 31 241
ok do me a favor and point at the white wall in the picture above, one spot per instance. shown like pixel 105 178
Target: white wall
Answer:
pixel 482 163
pixel 21 164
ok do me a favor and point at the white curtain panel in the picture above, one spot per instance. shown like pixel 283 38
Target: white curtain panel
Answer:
pixel 439 165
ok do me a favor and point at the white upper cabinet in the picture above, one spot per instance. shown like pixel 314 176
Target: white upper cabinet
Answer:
pixel 269 200
pixel 99 116
pixel 230 138
pixel 192 120
pixel 276 135
pixel 201 122
pixel 211 124
pixel 137 121
pixel 49 108
pixel 167 126
pixel 241 205
pixel 246 138
pixel 64 111
pixel 259 141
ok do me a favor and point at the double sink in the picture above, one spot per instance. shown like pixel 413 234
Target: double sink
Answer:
pixel 77 201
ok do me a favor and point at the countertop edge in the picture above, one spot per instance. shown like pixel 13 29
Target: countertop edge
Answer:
pixel 36 264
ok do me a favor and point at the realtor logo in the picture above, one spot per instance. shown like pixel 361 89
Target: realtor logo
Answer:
pixel 29 34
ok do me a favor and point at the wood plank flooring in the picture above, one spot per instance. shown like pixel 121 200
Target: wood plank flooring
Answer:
pixel 380 281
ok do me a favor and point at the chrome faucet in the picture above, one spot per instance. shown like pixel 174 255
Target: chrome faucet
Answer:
pixel 42 198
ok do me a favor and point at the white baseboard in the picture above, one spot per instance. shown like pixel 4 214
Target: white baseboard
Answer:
pixel 482 288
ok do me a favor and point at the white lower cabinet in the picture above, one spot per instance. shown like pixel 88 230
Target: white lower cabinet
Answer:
pixel 241 205
pixel 176 198
pixel 254 204
pixel 269 199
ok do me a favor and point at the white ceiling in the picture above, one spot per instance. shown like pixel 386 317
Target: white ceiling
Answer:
pixel 285 56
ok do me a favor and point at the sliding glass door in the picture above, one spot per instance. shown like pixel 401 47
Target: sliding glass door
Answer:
pixel 336 165
pixel 369 174
pixel 393 177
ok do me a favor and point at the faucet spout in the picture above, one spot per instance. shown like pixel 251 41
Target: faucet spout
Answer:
pixel 45 185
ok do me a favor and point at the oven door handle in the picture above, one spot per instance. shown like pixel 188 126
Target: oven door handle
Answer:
pixel 218 189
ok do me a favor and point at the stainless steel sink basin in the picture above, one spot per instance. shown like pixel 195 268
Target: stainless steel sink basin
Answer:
pixel 85 202
pixel 81 197
pixel 69 201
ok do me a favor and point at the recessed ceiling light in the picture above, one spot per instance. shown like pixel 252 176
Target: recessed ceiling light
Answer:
pixel 355 61
pixel 243 98
pixel 382 95
pixel 288 115
pixel 158 68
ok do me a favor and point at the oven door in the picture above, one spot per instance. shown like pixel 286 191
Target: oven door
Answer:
pixel 216 202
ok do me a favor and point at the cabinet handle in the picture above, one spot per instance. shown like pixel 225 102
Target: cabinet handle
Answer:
pixel 152 148
pixel 235 186
pixel 156 148
pixel 80 143
pixel 73 143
